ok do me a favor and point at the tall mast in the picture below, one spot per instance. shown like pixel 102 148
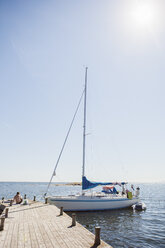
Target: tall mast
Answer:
pixel 84 126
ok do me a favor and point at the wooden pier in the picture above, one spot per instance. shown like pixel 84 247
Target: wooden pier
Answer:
pixel 42 225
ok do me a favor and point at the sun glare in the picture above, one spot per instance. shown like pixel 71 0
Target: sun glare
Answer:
pixel 144 14
pixel 140 23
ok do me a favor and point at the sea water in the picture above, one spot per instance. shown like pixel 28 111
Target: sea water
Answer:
pixel 119 228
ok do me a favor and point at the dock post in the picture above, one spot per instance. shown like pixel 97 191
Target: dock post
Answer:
pixel 97 236
pixel 24 196
pixel 46 200
pixel 11 202
pixel 61 210
pixel 73 219
pixel 6 212
pixel 34 198
pixel 2 223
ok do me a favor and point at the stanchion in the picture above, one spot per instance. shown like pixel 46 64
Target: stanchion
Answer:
pixel 61 210
pixel 6 212
pixel 73 219
pixel 97 236
pixel 2 223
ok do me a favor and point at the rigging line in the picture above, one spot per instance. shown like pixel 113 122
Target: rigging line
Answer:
pixel 54 172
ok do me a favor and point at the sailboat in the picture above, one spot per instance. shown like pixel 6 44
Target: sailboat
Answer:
pixel 109 198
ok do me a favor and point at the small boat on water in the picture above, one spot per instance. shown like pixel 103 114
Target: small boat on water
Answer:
pixel 108 198
pixel 140 206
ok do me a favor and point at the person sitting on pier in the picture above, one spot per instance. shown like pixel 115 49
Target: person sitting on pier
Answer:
pixel 17 198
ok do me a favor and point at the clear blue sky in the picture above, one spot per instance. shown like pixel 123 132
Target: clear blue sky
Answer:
pixel 44 46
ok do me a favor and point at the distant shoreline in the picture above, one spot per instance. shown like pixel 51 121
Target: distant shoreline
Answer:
pixel 76 183
pixel 69 184
pixel 54 183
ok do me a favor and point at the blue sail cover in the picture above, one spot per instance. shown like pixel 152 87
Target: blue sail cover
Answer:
pixel 86 184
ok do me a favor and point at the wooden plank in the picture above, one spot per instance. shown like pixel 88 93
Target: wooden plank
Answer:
pixel 53 230
pixel 42 231
pixel 14 239
pixel 7 242
pixel 74 233
pixel 39 225
pixel 64 225
pixel 20 229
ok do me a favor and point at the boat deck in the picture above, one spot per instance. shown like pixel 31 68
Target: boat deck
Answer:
pixel 41 225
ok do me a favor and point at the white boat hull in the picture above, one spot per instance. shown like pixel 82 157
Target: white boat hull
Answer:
pixel 87 203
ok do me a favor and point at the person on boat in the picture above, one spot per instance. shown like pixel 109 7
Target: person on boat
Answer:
pixel 17 198
pixel 137 193
pixel 132 187
pixel 123 190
